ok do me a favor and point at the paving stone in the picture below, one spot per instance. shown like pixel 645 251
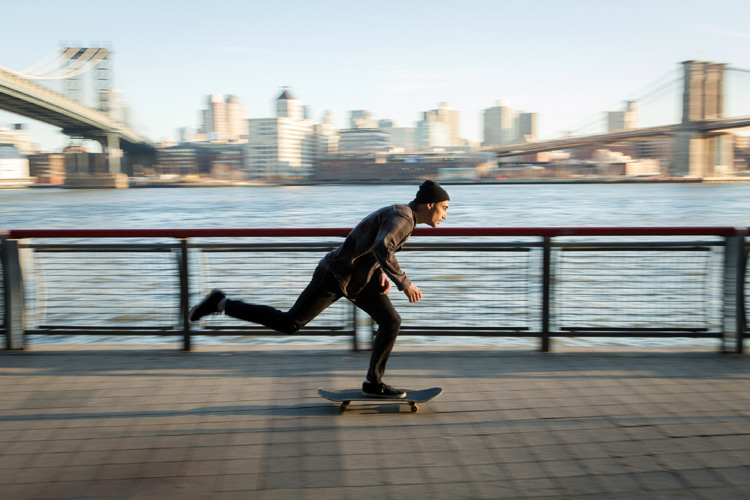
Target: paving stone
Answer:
pixel 510 424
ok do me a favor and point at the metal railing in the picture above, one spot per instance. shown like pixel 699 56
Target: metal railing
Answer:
pixel 478 282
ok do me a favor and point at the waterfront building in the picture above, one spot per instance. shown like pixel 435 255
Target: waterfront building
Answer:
pixel 448 117
pixel 363 139
pixel 218 160
pixel 282 147
pixel 432 134
pixel 17 137
pixel 223 119
pixel 382 166
pixel 47 168
pixel 14 166
pixel 403 137
pixel 226 163
pixel 325 138
pixel 182 160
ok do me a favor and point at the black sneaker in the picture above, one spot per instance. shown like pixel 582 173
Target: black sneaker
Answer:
pixel 207 306
pixel 382 390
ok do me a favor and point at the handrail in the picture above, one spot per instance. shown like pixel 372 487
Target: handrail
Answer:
pixel 724 231
pixel 537 294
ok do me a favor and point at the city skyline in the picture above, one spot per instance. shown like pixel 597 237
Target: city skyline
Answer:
pixel 563 62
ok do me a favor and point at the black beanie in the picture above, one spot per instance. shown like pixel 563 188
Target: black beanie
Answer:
pixel 431 192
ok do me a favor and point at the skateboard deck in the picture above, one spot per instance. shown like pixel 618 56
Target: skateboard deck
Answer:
pixel 346 396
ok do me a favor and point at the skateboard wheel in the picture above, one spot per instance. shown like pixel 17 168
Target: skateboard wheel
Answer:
pixel 414 408
pixel 343 405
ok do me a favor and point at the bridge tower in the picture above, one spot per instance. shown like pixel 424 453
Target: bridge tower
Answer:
pixel 699 154
pixel 97 58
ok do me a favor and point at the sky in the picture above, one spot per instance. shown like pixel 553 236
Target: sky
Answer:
pixel 568 61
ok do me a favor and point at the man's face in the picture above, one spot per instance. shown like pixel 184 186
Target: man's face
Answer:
pixel 437 213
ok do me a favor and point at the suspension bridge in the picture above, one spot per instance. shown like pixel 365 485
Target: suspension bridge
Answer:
pixel 21 94
pixel 700 139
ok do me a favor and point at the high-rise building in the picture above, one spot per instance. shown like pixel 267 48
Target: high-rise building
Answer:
pixel 626 119
pixel 500 125
pixel 223 119
pixel 326 140
pixel 450 118
pixel 362 118
pixel 527 127
pixel 432 134
pixel 289 107
pixel 403 137
pixel 281 147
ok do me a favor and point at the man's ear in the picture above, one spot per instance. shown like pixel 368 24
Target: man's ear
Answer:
pixel 430 205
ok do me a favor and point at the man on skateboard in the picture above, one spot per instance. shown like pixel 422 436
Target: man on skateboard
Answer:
pixel 361 269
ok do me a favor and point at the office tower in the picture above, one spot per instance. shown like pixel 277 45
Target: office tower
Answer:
pixel 363 140
pixel 362 118
pixel 223 119
pixel 623 120
pixel 280 147
pixel 500 125
pixel 327 118
pixel 403 137
pixel 325 138
pixel 450 118
pixel 527 127
pixel 236 125
pixel 289 107
pixel 432 134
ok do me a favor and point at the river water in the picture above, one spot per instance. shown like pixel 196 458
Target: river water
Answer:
pixel 497 205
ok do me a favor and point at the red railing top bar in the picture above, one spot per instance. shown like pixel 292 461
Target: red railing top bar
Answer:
pixel 342 232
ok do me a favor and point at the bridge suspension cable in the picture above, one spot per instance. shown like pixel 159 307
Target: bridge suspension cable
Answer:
pixel 52 58
pixel 655 89
pixel 69 64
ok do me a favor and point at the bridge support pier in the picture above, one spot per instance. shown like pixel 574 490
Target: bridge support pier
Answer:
pixel 114 153
pixel 703 155
pixel 104 173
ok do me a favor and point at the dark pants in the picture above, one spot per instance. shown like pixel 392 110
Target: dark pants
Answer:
pixel 322 291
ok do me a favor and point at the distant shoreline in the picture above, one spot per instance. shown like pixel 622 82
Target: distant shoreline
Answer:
pixel 142 183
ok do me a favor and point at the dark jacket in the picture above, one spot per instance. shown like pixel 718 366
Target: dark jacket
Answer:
pixel 370 247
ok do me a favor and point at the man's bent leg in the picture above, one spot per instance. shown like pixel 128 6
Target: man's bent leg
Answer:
pixel 381 310
pixel 321 292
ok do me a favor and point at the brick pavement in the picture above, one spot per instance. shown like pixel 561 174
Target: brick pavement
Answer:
pixel 118 422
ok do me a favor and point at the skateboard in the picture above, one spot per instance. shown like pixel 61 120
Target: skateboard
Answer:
pixel 346 396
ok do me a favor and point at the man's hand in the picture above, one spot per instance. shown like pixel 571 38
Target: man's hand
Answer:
pixel 413 292
pixel 385 284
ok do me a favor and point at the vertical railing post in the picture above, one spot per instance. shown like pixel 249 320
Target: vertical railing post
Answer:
pixel 185 294
pixel 354 328
pixel 546 283
pixel 733 290
pixel 741 316
pixel 743 292
pixel 13 293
